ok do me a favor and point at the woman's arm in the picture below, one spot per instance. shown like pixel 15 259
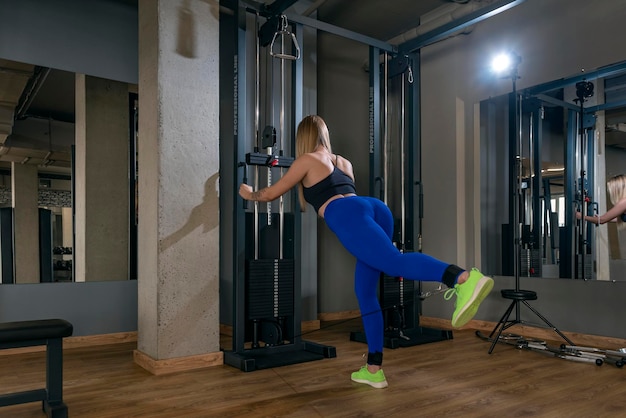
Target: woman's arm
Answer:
pixel 291 178
pixel 609 216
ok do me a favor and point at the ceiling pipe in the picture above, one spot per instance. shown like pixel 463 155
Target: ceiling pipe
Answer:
pixel 313 8
pixel 31 90
pixel 453 23
pixel 439 17
pixel 450 12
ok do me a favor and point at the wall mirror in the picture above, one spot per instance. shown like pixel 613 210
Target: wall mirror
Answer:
pixel 547 155
pixel 38 130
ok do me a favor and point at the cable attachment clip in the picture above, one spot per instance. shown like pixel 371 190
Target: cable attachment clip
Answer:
pixel 281 34
pixel 430 293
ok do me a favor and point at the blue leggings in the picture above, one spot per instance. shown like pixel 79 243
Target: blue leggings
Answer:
pixel 364 225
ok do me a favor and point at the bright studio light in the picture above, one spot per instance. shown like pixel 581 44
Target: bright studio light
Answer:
pixel 504 63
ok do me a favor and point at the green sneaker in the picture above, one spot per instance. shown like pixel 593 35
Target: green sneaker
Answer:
pixel 469 295
pixel 376 380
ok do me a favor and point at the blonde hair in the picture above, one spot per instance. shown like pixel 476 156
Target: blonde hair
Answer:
pixel 312 132
pixel 617 192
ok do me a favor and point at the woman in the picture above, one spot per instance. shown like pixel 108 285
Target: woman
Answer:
pixel 364 225
pixel 617 193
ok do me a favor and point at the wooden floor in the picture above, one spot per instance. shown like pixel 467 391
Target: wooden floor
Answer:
pixel 444 379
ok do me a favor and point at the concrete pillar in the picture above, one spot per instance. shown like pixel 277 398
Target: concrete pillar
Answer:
pixel 178 249
pixel 25 186
pixel 101 180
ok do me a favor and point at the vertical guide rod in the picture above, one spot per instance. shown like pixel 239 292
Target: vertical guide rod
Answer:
pixel 583 210
pixel 518 222
pixel 402 192
pixel 402 168
pixel 531 194
pixel 270 149
pixel 257 98
pixel 281 219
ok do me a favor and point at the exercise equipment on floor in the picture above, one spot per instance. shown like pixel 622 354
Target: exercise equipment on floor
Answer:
pixel 579 354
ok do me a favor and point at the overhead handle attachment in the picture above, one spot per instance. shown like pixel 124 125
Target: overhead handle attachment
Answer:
pixel 280 35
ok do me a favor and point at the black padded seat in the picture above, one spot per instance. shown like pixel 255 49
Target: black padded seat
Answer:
pixel 48 332
pixel 34 330
pixel 518 294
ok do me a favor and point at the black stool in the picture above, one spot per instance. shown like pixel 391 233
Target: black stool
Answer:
pixel 516 297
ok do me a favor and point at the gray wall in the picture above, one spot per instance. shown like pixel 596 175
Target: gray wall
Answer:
pixel 97 38
pixel 556 38
pixel 93 37
pixel 343 89
pixel 92 307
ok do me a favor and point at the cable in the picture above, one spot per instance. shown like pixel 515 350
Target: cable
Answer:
pixel 409 302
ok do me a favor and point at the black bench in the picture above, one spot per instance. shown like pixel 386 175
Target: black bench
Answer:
pixel 48 332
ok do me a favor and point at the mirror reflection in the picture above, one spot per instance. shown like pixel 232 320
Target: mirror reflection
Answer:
pixel 567 139
pixel 67 143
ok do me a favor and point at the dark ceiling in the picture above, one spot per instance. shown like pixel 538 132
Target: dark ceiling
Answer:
pixel 55 98
pixel 378 19
pixel 47 95
pixel 383 20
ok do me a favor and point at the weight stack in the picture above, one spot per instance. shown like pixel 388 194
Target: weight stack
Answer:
pixel 588 274
pixel 269 289
pixel 396 293
pixel 531 263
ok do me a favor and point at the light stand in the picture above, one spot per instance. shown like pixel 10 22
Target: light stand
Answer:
pixel 517 295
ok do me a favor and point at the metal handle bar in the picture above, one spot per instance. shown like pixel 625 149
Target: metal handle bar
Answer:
pixel 282 33
pixel 282 55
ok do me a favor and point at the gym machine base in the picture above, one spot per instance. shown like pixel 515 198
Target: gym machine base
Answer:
pixel 269 357
pixel 401 317
pixel 407 337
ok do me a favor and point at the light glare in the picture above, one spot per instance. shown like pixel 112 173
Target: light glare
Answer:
pixel 501 63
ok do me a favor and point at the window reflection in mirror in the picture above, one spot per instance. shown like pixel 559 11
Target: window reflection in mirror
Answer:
pixel 550 162
pixel 55 220
pixel 59 209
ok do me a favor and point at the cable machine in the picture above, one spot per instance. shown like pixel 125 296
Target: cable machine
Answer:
pixel 586 125
pixel 266 289
pixel 395 173
pixel 266 339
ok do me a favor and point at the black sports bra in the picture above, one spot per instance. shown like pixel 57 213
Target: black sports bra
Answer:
pixel 336 183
